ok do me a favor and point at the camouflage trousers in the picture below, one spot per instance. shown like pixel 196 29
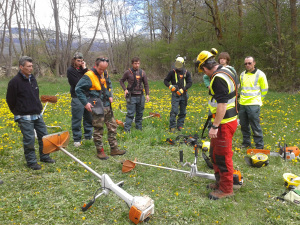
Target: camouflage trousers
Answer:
pixel 98 124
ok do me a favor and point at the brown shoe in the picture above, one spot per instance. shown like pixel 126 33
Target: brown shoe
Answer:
pixel 101 154
pixel 212 186
pixel 116 151
pixel 218 194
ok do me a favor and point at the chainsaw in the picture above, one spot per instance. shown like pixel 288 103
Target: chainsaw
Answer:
pixel 285 152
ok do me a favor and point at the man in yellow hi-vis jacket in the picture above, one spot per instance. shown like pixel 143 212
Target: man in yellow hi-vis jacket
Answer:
pixel 254 87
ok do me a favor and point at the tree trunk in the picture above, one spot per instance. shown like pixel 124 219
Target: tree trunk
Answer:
pixel 294 28
pixel 57 33
pixel 173 22
pixel 240 13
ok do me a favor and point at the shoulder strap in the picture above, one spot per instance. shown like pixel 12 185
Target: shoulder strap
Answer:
pixel 135 81
pixel 233 79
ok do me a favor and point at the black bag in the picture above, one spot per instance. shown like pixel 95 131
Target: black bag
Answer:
pixel 128 97
pixel 97 104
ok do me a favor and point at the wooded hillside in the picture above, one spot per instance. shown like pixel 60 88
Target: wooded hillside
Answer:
pixel 156 31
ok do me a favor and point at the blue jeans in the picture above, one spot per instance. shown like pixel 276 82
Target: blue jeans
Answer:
pixel 249 117
pixel 27 128
pixel 79 113
pixel 135 106
pixel 179 104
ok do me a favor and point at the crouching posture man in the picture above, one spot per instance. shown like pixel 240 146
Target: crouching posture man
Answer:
pixel 98 85
pixel 224 122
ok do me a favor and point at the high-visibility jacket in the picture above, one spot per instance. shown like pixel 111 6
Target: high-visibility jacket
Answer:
pixel 89 85
pixel 95 80
pixel 254 87
pixel 231 110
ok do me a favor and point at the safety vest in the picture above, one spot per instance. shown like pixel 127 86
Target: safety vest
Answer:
pixel 254 88
pixel 184 76
pixel 95 80
pixel 231 109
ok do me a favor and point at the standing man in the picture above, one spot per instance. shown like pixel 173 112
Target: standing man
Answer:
pixel 134 94
pixel 98 85
pixel 79 113
pixel 181 81
pixel 23 100
pixel 254 87
pixel 224 122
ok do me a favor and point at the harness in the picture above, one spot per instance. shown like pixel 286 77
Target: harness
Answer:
pixel 231 112
pixel 176 78
pixel 135 80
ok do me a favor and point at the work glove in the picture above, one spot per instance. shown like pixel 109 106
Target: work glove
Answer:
pixel 180 92
pixel 172 88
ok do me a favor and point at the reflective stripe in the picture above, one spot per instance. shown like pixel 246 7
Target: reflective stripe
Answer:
pixel 176 79
pixel 250 94
pixel 264 89
pixel 263 96
pixel 214 102
pixel 256 78
pixel 251 88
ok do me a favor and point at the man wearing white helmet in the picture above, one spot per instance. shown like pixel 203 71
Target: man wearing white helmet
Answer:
pixel 224 122
pixel 181 81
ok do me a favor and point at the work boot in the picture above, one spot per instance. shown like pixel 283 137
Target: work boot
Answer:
pixel 116 151
pixel 218 194
pixel 101 154
pixel 213 186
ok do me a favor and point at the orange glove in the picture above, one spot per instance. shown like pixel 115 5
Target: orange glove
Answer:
pixel 180 92
pixel 172 88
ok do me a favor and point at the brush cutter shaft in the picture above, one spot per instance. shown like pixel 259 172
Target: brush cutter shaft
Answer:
pixel 81 163
pixel 44 108
pixel 162 167
pixel 192 173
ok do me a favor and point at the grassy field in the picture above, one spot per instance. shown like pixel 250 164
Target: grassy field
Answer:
pixel 55 194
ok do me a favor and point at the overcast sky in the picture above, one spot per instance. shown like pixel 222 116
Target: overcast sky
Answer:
pixel 44 15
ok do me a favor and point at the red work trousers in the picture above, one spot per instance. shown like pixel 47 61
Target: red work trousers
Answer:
pixel 221 154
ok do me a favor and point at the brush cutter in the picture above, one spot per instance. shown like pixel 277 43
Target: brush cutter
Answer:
pixel 284 152
pixel 140 207
pixel 130 165
pixel 120 123
pixel 46 99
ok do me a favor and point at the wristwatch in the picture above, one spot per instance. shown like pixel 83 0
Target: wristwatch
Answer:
pixel 214 127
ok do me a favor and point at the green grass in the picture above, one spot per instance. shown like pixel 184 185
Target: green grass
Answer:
pixel 55 194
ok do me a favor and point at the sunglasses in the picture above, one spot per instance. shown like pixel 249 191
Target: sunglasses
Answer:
pixel 102 59
pixel 247 63
pixel 79 60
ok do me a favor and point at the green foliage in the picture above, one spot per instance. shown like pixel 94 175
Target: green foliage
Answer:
pixel 55 194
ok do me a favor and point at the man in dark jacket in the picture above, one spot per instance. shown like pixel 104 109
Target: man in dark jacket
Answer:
pixel 79 113
pixel 23 100
pixel 181 81
pixel 134 94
